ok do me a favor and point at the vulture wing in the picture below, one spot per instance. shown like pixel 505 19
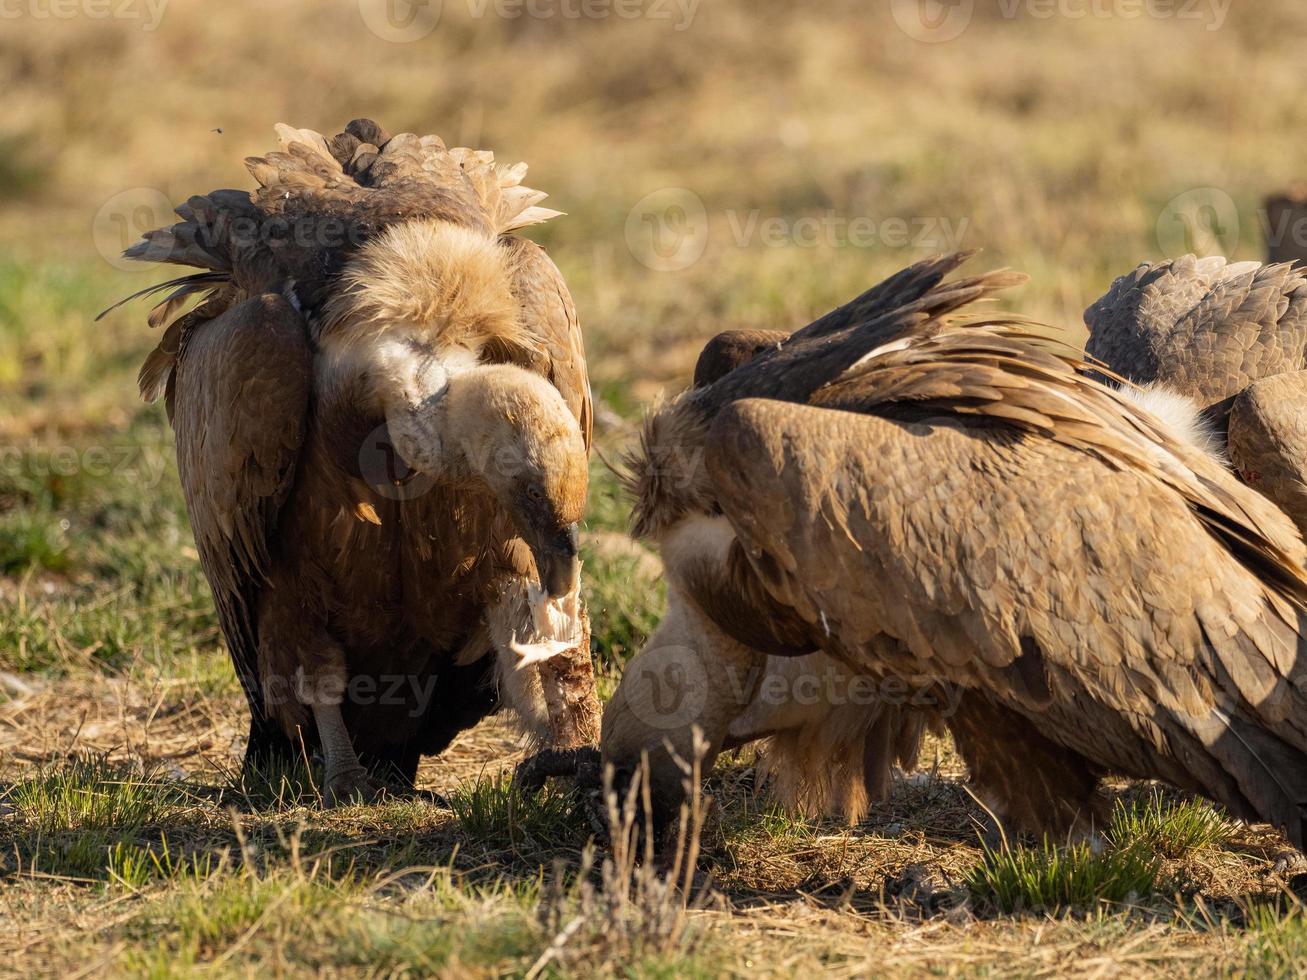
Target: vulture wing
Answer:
pixel 1034 538
pixel 550 319
pixel 240 403
pixel 1203 326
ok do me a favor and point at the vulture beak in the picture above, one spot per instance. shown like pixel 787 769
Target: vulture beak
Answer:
pixel 558 560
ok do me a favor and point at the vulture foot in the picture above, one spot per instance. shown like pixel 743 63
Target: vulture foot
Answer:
pixel 1289 863
pixel 581 765
pixel 354 785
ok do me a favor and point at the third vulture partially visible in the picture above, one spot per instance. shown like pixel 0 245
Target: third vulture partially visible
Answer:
pixel 962 503
pixel 1232 337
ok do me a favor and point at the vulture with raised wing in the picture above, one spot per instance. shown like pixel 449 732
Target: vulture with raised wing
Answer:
pixel 1232 338
pixel 960 502
pixel 382 420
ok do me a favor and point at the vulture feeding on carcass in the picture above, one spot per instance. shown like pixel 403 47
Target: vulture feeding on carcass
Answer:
pixel 1231 338
pixel 959 502
pixel 382 419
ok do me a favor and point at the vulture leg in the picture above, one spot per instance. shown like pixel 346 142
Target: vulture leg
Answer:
pixel 1032 785
pixel 344 778
pixel 301 665
pixel 1268 441
pixel 571 703
pixel 268 750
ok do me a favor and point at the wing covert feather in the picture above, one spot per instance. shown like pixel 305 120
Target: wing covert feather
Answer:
pixel 241 403
pixel 550 317
pixel 966 543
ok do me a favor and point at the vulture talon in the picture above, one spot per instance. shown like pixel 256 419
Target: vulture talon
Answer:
pixel 582 765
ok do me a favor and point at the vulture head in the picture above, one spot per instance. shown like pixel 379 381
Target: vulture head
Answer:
pixel 407 335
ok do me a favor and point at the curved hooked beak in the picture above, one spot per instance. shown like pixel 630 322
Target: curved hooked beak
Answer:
pixel 558 560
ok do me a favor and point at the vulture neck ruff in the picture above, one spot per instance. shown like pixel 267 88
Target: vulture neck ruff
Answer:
pixel 436 283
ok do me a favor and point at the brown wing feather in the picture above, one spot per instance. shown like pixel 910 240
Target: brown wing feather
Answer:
pixel 240 408
pixel 550 317
pixel 318 200
pixel 965 540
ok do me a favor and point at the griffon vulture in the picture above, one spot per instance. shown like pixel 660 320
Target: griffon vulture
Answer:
pixel 382 420
pixel 960 503
pixel 1232 337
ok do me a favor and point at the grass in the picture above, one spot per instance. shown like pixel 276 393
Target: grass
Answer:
pixel 126 847
pixel 82 819
pixel 1279 942
pixel 91 793
pixel 495 813
pixel 1052 878
pixel 1171 829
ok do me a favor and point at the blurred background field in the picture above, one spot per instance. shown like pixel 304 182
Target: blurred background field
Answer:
pixel 722 164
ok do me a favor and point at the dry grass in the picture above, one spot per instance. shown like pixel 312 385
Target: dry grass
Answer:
pixel 806 135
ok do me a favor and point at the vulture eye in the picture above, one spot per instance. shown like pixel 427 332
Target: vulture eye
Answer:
pixel 534 494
